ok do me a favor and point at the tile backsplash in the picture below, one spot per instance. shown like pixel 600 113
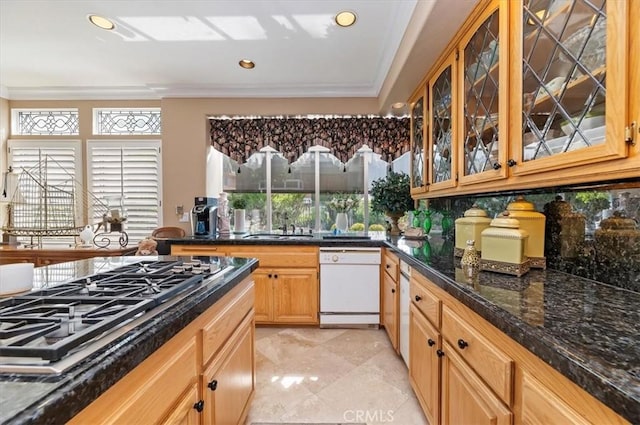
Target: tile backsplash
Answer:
pixel 591 233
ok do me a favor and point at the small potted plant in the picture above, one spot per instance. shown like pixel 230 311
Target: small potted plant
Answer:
pixel 391 195
pixel 239 206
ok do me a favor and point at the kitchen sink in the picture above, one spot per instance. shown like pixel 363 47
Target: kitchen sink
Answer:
pixel 276 236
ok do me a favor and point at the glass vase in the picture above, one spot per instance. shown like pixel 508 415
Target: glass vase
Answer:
pixel 342 222
pixel 447 223
pixel 426 221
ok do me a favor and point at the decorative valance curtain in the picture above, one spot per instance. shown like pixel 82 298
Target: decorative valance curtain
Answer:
pixel 240 138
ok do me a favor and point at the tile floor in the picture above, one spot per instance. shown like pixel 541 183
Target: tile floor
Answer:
pixel 331 375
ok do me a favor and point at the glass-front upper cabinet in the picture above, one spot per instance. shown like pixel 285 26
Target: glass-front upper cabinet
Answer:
pixel 442 167
pixel 417 147
pixel 571 91
pixel 483 79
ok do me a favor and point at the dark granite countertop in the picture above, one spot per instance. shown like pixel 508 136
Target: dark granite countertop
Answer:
pixel 54 399
pixel 588 331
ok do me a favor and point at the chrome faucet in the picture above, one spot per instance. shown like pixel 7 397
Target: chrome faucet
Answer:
pixel 285 217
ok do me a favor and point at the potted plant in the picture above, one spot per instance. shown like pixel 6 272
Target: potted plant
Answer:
pixel 239 206
pixel 391 195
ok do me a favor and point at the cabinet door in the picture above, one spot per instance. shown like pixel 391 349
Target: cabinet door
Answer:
pixel 263 281
pixel 418 177
pixel 295 295
pixel 540 406
pixel 573 85
pixel 390 309
pixel 442 134
pixel 228 384
pixel 424 363
pixel 483 98
pixel 465 398
pixel 185 412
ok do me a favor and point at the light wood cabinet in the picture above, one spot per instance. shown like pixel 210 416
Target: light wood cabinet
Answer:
pixel 286 281
pixel 418 142
pixel 465 397
pixel 168 387
pixel 390 297
pixel 540 406
pixel 424 363
pixel 184 413
pixel 538 96
pixel 295 296
pixel 390 305
pixel 227 384
pixel 442 170
pixel 469 372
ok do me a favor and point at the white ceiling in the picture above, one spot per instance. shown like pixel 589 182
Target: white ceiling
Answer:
pixel 167 48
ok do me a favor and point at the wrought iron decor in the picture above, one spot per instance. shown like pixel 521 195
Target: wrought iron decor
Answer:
pixel 239 138
pixel 141 121
pixel 45 122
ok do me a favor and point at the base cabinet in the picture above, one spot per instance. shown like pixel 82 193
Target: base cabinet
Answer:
pixel 465 397
pixel 424 363
pixel 287 283
pixel 390 306
pixel 171 385
pixel 228 383
pixel 540 406
pixel 184 412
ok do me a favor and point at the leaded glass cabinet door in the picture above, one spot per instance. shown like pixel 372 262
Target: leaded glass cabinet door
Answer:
pixel 572 93
pixel 417 146
pixel 442 166
pixel 483 79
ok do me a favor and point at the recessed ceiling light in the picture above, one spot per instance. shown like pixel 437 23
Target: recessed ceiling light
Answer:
pixel 247 64
pixel 101 22
pixel 345 18
pixel 398 105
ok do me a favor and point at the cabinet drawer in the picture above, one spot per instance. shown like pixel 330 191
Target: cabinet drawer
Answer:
pixel 426 301
pixel 198 250
pixel 390 264
pixel 278 256
pixel 490 363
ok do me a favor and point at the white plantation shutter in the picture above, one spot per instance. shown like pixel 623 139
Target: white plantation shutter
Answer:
pixel 131 170
pixel 63 161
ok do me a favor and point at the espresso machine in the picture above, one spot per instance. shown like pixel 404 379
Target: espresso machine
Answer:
pixel 204 216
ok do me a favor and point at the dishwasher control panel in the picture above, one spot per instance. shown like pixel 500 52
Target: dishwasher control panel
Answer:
pixel 350 256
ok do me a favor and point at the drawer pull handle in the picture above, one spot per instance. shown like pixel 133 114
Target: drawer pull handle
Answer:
pixel 431 342
pixel 199 406
pixel 418 298
pixel 462 344
pixel 440 353
pixel 213 385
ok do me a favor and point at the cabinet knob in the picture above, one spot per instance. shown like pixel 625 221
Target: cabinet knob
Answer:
pixel 275 276
pixel 440 353
pixel 213 385
pixel 199 406
pixel 393 291
pixel 462 344
pixel 418 298
pixel 269 275
pixel 388 266
pixel 431 342
pixel 497 166
pixel 511 163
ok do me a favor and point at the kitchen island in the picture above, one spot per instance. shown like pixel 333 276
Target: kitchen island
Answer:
pixel 585 330
pixel 57 398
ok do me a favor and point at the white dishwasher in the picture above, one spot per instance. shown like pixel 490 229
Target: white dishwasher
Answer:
pixel 349 287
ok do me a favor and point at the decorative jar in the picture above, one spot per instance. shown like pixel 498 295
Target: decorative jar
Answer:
pixel 533 222
pixel 503 246
pixel 470 227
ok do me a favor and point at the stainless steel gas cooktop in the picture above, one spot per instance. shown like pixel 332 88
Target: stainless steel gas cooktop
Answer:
pixel 49 330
